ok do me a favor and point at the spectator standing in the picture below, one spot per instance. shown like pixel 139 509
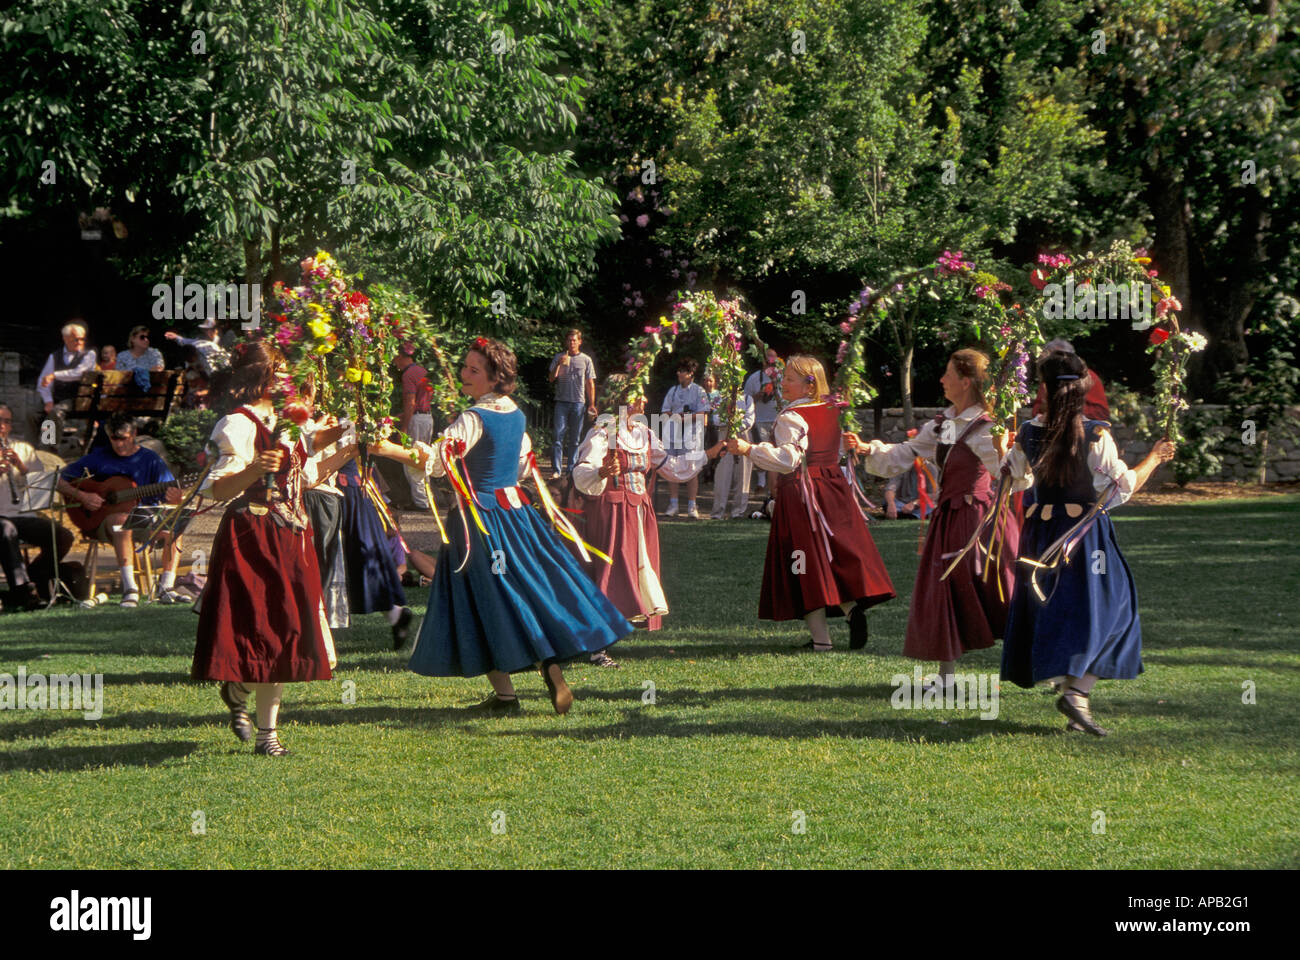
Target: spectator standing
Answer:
pixel 574 375
pixel 764 387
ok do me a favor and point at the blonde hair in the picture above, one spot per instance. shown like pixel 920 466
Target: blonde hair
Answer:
pixel 811 372
pixel 974 366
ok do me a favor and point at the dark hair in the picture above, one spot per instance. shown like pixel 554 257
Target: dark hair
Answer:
pixel 502 366
pixel 119 420
pixel 1066 378
pixel 250 376
pixel 687 365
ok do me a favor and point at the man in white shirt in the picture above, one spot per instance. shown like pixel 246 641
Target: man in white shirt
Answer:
pixel 17 459
pixel 57 384
pixel 764 387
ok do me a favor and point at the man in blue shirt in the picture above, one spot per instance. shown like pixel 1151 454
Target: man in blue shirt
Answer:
pixel 124 457
pixel 574 376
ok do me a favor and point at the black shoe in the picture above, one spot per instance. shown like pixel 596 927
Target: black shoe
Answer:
pixel 495 704
pixel 402 629
pixel 858 627
pixel 603 659
pixel 1080 712
pixel 270 746
pixel 240 722
pixel 810 645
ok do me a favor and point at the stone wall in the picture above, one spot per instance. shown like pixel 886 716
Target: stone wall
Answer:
pixel 1283 457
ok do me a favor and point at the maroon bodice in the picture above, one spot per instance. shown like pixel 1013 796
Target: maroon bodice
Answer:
pixel 823 452
pixel 963 473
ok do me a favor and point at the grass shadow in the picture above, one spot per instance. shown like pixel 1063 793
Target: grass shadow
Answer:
pixel 90 758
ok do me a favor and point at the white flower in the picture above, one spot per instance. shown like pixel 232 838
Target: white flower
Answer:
pixel 1196 342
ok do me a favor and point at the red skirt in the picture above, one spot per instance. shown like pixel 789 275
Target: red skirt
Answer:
pixel 259 619
pixel 796 584
pixel 964 612
pixel 612 529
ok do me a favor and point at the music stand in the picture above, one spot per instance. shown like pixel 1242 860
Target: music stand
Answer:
pixel 42 494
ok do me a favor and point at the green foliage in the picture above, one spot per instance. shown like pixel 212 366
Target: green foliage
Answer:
pixel 1200 448
pixel 184 433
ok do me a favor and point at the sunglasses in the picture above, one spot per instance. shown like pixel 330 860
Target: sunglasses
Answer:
pixel 142 336
pixel 122 438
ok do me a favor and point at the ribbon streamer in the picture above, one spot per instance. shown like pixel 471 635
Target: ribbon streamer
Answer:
pixel 553 512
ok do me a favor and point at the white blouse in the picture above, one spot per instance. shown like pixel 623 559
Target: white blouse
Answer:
pixel 891 459
pixel 633 438
pixel 1103 460
pixel 235 438
pixel 469 428
pixel 789 443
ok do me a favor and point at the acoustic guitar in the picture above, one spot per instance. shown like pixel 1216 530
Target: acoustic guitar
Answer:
pixel 120 494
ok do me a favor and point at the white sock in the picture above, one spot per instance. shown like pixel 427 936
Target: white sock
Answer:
pixel 167 580
pixel 128 580
pixel 394 615
pixel 690 504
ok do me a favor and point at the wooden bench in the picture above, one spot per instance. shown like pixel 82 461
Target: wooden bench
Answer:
pixel 103 393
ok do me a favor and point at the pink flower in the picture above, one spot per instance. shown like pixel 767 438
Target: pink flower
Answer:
pixel 643 221
pixel 842 352
pixel 846 327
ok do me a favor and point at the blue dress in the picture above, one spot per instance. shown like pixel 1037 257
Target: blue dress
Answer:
pixel 522 598
pixel 1089 623
pixel 374 584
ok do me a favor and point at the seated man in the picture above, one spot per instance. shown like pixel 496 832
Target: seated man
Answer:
pixel 58 383
pixel 124 457
pixel 902 496
pixel 26 585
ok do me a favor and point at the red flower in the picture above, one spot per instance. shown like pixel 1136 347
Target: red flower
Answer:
pixel 297 412
pixel 480 343
pixel 1038 278
pixel 1158 336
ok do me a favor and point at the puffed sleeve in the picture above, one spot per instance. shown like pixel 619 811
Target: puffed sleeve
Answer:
pixel 588 460
pixel 1106 465
pixel 235 440
pixel 1016 463
pixel 891 459
pixel 467 427
pixel 790 444
pixel 525 448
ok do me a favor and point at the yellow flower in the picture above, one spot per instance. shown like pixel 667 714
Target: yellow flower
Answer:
pixel 352 374
pixel 1141 259
pixel 665 322
pixel 319 328
pixel 366 377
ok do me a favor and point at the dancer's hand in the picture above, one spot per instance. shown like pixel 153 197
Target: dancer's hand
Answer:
pixel 269 461
pixel 1165 450
pixel 610 467
pixel 739 447
pixel 851 441
pixel 1002 443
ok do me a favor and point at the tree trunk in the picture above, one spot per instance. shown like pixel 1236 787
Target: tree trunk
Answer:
pixel 252 261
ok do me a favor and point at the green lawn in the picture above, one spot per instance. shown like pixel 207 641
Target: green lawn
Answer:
pixel 743 734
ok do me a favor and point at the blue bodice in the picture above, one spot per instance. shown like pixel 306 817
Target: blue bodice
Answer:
pixel 493 462
pixel 1080 489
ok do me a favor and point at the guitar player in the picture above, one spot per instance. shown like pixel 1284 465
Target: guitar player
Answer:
pixel 125 458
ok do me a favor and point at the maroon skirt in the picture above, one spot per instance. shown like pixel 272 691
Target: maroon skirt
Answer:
pixel 798 578
pixel 612 529
pixel 259 619
pixel 964 612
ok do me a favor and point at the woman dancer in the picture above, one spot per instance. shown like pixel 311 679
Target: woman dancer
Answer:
pixel 612 471
pixel 968 610
pixel 820 558
pixel 261 619
pixel 1076 620
pixel 519 598
pixel 374 585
